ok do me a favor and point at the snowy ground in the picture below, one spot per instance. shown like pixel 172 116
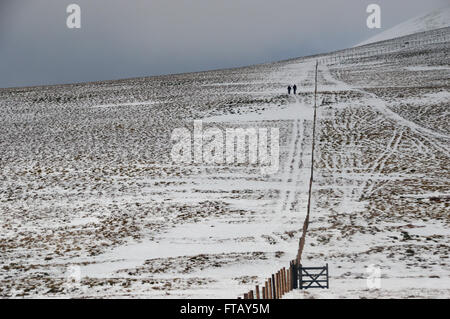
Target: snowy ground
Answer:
pixel 88 186
pixel 439 18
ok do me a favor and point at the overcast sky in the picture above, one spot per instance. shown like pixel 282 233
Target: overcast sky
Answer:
pixel 131 38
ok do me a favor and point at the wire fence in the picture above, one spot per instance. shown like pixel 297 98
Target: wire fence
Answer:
pixel 393 46
pixel 286 279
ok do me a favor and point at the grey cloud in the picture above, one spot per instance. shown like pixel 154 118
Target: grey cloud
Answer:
pixel 121 39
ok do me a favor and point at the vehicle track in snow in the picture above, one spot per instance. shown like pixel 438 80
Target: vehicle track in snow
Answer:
pixel 385 114
pixel 293 177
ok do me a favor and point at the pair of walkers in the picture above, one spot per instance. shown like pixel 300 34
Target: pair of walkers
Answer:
pixel 293 88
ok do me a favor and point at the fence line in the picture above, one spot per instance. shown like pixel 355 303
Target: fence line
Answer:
pixel 403 43
pixel 285 280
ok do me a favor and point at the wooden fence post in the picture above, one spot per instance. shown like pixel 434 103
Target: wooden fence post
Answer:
pixel 257 292
pixel 280 286
pixel 286 286
pixel 289 279
pixel 277 279
pixel 269 288
pixel 275 295
pixel 274 287
pixel 286 278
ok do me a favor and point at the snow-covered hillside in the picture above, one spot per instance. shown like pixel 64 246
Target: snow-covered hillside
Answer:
pixel 436 19
pixel 92 205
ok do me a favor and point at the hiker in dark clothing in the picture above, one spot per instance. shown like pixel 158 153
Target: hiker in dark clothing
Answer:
pixel 295 89
pixel 289 89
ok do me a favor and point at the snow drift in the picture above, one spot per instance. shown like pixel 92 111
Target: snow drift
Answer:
pixel 436 19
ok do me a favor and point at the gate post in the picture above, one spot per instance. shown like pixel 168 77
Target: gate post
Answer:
pixel 294 272
pixel 301 276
